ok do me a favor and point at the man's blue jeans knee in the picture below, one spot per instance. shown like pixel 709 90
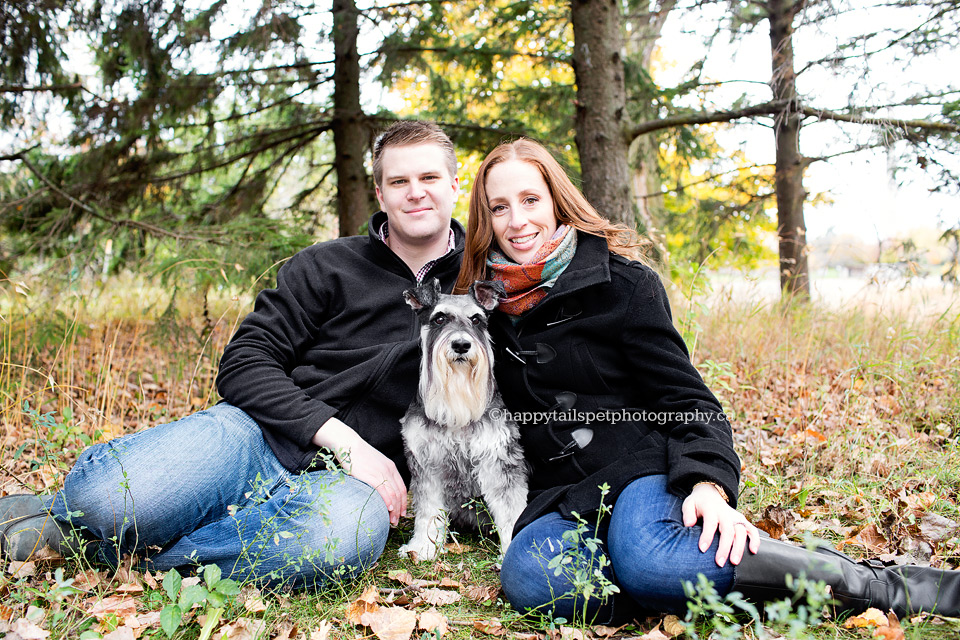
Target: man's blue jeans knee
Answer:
pixel 651 554
pixel 208 489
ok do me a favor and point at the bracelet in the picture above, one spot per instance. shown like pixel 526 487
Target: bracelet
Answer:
pixel 723 494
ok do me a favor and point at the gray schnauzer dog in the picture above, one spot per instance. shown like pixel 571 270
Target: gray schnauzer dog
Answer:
pixel 458 440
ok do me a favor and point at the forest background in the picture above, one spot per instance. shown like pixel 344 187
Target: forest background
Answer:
pixel 159 160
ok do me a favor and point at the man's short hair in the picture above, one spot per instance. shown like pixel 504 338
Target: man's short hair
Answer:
pixel 410 132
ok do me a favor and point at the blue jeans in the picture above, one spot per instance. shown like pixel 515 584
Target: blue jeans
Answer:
pixel 208 489
pixel 650 554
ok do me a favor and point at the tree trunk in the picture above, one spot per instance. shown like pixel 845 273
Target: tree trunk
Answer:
pixel 601 119
pixel 350 135
pixel 643 32
pixel 791 228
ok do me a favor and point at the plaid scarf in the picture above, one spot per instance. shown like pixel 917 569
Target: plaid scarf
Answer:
pixel 527 283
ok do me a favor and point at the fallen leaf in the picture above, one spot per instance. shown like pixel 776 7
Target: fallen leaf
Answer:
pixel 892 630
pixel 23 629
pixel 126 575
pixel 120 606
pixel 918 502
pixel 870 538
pixel 22 569
pixel 150 580
pixel 872 617
pixel 935 527
pixel 145 620
pixel 673 627
pixel 366 603
pixel 604 631
pixel 88 580
pixel 889 633
pixel 242 629
pixel 130 588
pixel 432 620
pixel 490 627
pixel 322 632
pixel 401 575
pixel 251 599
pixel 120 633
pixel 457 548
pixel 438 597
pixel 391 623
pixel 571 633
pixel 401 600
pixel 480 593
pixel 449 583
pixel 285 630
pixel 776 521
pixel 131 621
pixel 655 634
pixel 405 578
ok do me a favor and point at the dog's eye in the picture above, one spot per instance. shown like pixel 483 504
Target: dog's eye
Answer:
pixel 476 320
pixel 439 319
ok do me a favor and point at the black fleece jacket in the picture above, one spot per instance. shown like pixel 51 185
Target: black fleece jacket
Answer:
pixel 334 338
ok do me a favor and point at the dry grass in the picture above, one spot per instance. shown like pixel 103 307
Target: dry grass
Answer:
pixel 847 424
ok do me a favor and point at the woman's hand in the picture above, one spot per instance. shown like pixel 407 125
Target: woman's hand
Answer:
pixel 365 463
pixel 705 503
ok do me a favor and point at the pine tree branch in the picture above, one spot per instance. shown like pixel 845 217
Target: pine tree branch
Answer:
pixel 136 224
pixel 399 5
pixel 924 125
pixel 453 126
pixel 471 51
pixel 16 88
pixel 776 106
pixel 303 137
pixel 706 117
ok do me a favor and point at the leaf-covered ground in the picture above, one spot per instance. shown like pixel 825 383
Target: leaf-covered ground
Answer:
pixel 847 424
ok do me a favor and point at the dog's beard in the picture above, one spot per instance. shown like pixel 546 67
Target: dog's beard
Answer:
pixel 455 393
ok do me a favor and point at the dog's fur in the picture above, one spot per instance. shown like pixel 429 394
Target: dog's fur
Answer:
pixel 458 442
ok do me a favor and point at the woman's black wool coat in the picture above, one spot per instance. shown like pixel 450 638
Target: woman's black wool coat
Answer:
pixel 603 390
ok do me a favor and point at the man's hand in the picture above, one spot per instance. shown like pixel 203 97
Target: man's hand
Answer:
pixel 706 504
pixel 362 461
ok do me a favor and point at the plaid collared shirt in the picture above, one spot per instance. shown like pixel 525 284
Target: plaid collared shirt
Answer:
pixel 384 233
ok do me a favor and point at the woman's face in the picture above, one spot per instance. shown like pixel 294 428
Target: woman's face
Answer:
pixel 522 208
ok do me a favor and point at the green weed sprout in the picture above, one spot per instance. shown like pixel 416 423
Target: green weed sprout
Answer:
pixel 582 560
pixel 720 617
pixel 215 596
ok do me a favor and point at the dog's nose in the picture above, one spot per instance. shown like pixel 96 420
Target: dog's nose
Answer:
pixel 460 347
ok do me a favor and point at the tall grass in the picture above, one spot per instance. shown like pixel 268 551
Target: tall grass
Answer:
pixel 843 415
pixel 844 419
pixel 122 358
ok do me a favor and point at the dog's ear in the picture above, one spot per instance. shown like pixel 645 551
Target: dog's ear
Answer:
pixel 487 293
pixel 426 295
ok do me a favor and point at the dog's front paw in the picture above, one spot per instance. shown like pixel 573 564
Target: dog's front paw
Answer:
pixel 419 552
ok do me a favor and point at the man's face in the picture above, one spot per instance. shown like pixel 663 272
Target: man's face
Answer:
pixel 417 193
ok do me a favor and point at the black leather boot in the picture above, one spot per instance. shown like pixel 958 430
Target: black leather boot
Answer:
pixel 856 586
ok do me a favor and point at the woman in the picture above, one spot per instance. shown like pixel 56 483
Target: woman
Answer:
pixel 612 412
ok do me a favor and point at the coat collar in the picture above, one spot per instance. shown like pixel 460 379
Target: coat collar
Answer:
pixel 590 266
pixel 387 256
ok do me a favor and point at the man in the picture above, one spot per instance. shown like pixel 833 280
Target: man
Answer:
pixel 323 367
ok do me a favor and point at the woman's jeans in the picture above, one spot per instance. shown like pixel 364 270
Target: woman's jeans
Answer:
pixel 650 553
pixel 208 489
